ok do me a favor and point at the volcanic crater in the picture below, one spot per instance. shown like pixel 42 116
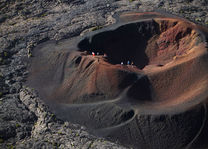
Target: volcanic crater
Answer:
pixel 146 85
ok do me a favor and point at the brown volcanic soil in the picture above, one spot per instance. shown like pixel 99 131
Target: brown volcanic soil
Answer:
pixel 159 101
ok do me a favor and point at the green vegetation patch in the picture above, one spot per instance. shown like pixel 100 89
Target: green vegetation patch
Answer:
pixel 198 19
pixel 1 140
pixel 1 94
pixel 17 125
pixel 96 28
pixel 10 146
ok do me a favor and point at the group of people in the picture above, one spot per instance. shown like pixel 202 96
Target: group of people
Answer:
pixel 122 63
pixel 93 54
pixel 128 63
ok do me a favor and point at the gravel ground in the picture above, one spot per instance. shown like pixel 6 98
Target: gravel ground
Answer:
pixel 25 121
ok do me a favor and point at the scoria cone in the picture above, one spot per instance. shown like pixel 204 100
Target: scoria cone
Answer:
pixel 158 102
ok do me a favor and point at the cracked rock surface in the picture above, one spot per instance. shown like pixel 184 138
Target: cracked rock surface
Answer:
pixel 26 122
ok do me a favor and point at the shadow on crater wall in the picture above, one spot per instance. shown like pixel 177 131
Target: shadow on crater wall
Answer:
pixel 126 43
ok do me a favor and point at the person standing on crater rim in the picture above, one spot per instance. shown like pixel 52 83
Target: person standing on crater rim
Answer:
pixel 132 64
pixel 105 55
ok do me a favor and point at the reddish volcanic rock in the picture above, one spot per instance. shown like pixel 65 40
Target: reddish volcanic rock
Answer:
pixel 91 79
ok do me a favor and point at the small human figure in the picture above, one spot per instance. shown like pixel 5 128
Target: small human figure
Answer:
pixel 128 62
pixel 93 54
pixel 97 53
pixel 105 55
pixel 121 63
pixel 132 64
